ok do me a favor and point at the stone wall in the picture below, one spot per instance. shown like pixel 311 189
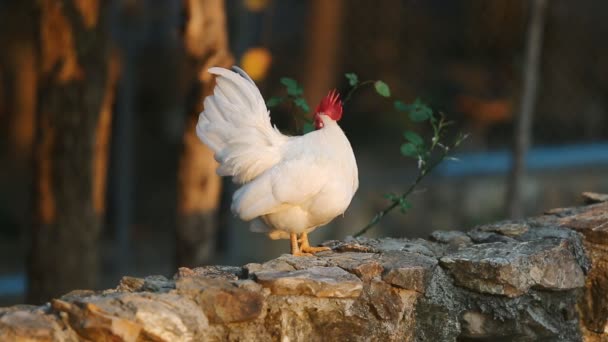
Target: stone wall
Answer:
pixel 541 279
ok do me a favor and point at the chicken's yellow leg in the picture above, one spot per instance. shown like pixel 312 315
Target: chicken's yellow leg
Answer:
pixel 305 246
pixel 295 249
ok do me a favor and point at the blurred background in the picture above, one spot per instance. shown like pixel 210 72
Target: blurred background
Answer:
pixel 101 174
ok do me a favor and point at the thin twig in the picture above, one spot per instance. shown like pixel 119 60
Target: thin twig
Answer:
pixel 421 174
pixel 355 88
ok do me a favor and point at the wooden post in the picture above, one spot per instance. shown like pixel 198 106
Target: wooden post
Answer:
pixel 76 87
pixel 199 187
pixel 523 125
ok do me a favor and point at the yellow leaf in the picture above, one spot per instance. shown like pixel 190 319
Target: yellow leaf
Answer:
pixel 256 62
pixel 256 5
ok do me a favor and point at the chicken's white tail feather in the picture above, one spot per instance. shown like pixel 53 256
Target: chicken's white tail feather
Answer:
pixel 242 73
pixel 236 126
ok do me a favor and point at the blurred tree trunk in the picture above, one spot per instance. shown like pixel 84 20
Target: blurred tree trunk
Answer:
pixel 19 61
pixel 323 42
pixel 24 100
pixel 2 101
pixel 523 125
pixel 76 87
pixel 206 45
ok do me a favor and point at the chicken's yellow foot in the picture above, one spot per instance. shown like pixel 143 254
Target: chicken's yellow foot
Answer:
pixel 305 245
pixel 295 249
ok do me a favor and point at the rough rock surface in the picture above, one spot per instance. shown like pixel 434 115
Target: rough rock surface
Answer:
pixel 512 268
pixel 541 279
pixel 330 282
pixel 592 222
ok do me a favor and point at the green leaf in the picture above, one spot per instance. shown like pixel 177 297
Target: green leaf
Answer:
pixel 391 197
pixel 274 101
pixel 401 107
pixel 308 127
pixel 404 205
pixel 420 114
pixel 353 79
pixel 382 88
pixel 301 102
pixel 289 82
pixel 419 111
pixel 409 150
pixel 295 91
pixel 413 137
pixel 293 88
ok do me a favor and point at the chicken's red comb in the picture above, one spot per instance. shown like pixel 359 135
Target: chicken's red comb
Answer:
pixel 331 105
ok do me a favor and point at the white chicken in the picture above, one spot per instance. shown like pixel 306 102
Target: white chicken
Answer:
pixel 290 184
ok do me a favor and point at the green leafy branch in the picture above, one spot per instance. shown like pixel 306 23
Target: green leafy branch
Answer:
pixel 299 108
pixel 353 80
pixel 428 154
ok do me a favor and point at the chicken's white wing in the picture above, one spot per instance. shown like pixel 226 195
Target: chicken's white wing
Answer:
pixel 288 183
